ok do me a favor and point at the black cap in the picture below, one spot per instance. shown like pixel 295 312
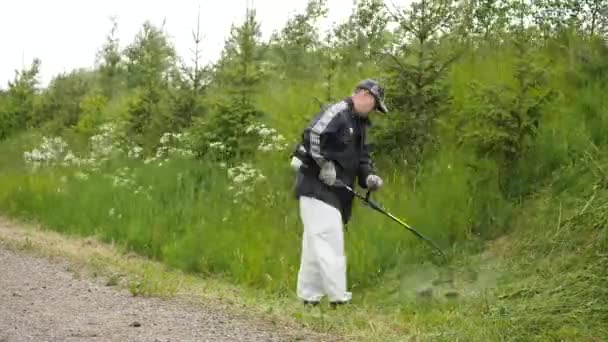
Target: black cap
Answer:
pixel 376 90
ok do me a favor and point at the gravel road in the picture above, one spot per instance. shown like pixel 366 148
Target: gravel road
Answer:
pixel 41 300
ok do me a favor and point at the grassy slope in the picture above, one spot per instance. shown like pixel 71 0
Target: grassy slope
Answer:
pixel 543 281
pixel 535 284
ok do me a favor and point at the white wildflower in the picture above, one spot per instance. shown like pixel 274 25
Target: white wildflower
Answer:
pixel 265 147
pixel 240 178
pixel 231 172
pixel 217 145
pixel 69 158
pixel 243 176
pixel 50 152
pixel 81 175
pixel 250 129
pixel 135 152
pixel 165 138
pixel 264 132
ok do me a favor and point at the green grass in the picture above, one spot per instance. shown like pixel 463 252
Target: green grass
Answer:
pixel 534 289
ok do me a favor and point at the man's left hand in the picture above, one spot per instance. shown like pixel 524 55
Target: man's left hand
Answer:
pixel 373 182
pixel 296 163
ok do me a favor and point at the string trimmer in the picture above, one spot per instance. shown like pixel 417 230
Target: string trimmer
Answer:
pixel 374 205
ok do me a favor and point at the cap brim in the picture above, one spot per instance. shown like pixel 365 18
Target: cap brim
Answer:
pixel 382 107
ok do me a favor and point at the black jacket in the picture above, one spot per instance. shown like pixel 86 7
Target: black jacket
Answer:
pixel 337 134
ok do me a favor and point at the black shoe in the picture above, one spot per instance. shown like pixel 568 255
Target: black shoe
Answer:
pixel 335 304
pixel 311 303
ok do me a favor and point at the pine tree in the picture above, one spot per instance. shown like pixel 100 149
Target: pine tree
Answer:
pixel 363 35
pixel 237 79
pixel 295 46
pixel 416 70
pixel 109 63
pixel 240 70
pixel 501 121
pixel 20 107
pixel 151 66
pixel 150 58
pixel 190 86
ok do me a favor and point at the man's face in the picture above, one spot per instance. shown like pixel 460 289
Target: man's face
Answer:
pixel 366 103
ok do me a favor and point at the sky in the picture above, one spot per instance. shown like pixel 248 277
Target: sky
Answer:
pixel 66 34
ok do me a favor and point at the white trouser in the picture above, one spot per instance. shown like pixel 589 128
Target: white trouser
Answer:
pixel 323 263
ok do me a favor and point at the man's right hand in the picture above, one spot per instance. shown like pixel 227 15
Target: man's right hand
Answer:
pixel 328 173
pixel 373 182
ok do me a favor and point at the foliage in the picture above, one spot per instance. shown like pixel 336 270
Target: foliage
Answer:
pixel 20 103
pixel 293 48
pixel 415 71
pixel 62 100
pixel 150 57
pixel 240 70
pixel 496 106
pixel 111 68
pixel 224 132
pixel 363 35
pixel 91 106
pixel 501 121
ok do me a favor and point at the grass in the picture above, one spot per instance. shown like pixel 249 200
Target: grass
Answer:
pixel 529 285
pixel 184 214
pixel 568 258
pixel 89 257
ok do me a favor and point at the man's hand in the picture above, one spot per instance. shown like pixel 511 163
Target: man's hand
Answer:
pixel 373 182
pixel 328 173
pixel 296 163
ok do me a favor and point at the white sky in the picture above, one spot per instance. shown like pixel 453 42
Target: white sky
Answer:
pixel 66 34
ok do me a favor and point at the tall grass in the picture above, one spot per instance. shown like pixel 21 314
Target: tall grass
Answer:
pixel 186 213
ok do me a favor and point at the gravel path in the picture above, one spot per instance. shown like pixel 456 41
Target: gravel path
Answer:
pixel 41 301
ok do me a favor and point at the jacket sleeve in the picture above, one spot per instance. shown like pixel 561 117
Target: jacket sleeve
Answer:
pixel 323 133
pixel 366 166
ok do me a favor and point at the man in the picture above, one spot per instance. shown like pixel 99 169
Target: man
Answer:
pixel 333 152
